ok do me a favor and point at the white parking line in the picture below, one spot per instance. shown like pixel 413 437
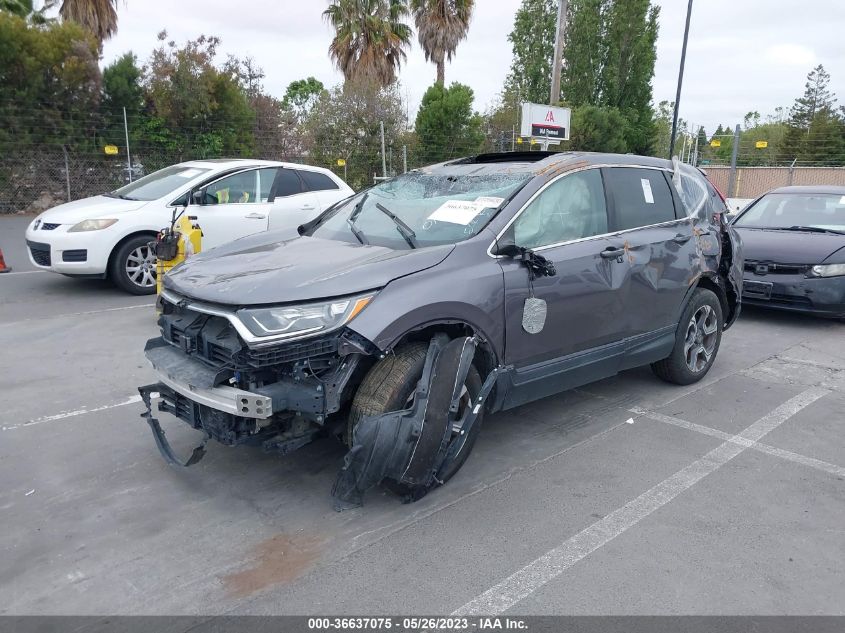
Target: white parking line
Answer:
pixel 71 414
pixel 22 272
pixel 553 563
pixel 812 462
pixel 89 312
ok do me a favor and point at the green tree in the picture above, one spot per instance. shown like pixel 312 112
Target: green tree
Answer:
pixel 301 95
pixel 585 51
pixel 98 17
pixel 20 8
pixel 816 128
pixel 198 109
pixel 345 124
pixel 370 38
pixel 441 26
pixel 598 129
pixel 49 82
pixel 816 97
pixel 446 125
pixel 121 89
pixel 533 40
pixel 631 38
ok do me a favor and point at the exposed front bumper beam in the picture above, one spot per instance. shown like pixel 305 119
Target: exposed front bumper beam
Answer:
pixel 195 381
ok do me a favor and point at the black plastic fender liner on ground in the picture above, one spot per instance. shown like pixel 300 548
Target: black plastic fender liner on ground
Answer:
pixel 410 446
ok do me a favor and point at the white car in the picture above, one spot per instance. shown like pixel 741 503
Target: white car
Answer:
pixel 108 235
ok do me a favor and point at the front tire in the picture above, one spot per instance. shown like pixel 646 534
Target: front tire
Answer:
pixel 697 341
pixel 390 386
pixel 132 266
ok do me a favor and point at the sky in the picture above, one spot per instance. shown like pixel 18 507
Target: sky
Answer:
pixel 743 55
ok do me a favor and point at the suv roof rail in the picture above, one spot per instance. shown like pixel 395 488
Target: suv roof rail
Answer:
pixel 505 157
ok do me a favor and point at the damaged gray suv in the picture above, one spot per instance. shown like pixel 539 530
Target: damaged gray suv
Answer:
pixel 404 314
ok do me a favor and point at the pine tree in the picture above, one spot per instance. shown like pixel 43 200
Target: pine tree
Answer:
pixel 816 98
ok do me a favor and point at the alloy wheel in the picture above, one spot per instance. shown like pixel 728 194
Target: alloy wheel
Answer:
pixel 700 339
pixel 141 267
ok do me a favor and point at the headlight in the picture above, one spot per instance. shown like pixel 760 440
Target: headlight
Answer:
pixel 91 225
pixel 302 320
pixel 828 270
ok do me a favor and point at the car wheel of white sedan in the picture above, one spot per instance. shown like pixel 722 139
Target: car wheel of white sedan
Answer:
pixel 133 266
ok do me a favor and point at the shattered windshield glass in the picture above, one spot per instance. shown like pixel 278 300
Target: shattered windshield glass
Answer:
pixel 417 209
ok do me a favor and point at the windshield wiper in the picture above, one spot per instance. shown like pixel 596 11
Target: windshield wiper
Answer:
pixel 358 233
pixel 810 229
pixel 112 194
pixel 404 230
pixel 815 229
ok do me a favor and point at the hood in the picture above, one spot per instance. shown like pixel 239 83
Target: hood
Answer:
pixel 87 208
pixel 789 247
pixel 263 269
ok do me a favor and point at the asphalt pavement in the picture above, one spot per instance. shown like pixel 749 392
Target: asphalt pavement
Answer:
pixel 628 496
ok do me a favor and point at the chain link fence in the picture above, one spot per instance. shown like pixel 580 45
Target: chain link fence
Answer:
pixel 752 182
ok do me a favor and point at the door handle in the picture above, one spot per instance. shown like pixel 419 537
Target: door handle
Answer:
pixel 308 207
pixel 680 238
pixel 612 252
pixel 255 216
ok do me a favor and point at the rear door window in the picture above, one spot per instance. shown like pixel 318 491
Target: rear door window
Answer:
pixel 315 181
pixel 287 183
pixel 265 182
pixel 641 197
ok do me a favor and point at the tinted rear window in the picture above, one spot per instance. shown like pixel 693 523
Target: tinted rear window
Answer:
pixel 287 183
pixel 641 197
pixel 315 181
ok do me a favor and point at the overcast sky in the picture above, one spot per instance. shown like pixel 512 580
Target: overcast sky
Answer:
pixel 743 54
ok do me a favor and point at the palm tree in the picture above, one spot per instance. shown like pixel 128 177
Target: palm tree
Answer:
pixel 99 17
pixel 441 25
pixel 370 38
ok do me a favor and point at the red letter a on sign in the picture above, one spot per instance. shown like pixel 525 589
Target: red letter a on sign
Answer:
pixel 550 117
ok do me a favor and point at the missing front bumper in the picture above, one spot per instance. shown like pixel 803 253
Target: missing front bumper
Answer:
pixel 196 382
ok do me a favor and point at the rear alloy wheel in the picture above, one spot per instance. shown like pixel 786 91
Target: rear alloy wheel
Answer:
pixel 133 266
pixel 696 341
pixel 700 339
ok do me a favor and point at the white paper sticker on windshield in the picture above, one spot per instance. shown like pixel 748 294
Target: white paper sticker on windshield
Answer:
pixel 842 200
pixel 489 202
pixel 190 173
pixel 457 211
pixel 647 194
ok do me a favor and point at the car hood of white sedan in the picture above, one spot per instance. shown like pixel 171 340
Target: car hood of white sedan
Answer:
pixel 88 208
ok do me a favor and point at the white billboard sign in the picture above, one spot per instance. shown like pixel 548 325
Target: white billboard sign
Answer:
pixel 545 122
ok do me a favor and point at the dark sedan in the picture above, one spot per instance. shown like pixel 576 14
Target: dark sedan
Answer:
pixel 794 240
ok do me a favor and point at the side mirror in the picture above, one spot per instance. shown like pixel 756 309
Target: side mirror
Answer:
pixel 508 249
pixel 197 197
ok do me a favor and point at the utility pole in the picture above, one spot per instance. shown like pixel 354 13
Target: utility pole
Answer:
pixel 732 176
pixel 680 81
pixel 383 157
pixel 128 157
pixel 557 63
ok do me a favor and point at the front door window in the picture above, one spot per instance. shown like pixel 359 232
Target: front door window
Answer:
pixel 235 189
pixel 569 209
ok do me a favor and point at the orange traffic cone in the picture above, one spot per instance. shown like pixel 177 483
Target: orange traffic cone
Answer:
pixel 3 267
